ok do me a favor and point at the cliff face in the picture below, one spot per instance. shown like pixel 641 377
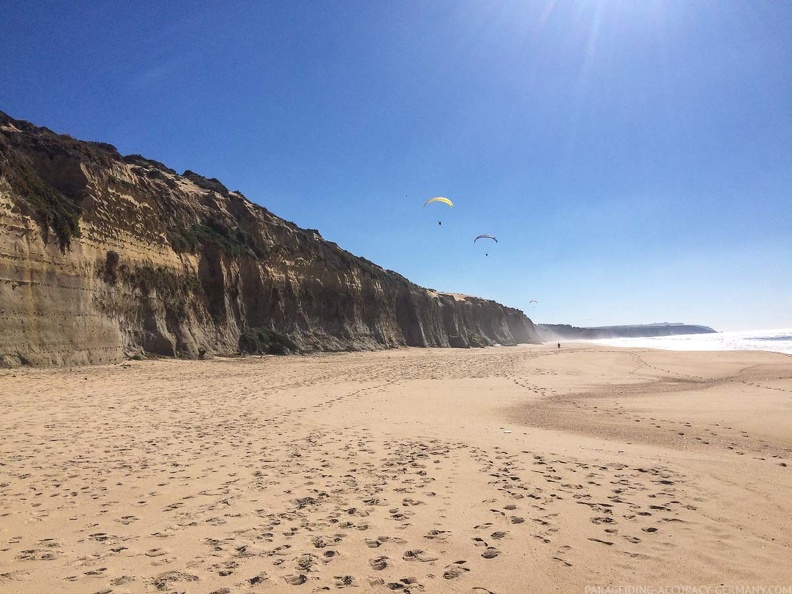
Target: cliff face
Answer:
pixel 103 257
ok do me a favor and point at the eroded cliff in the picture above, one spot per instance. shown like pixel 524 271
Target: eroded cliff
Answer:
pixel 104 256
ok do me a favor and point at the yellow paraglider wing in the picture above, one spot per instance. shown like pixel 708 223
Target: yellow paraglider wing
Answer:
pixel 439 199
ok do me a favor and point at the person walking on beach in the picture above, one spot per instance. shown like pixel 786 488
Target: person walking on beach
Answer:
pixel 559 345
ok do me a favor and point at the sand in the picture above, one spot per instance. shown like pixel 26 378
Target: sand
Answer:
pixel 526 469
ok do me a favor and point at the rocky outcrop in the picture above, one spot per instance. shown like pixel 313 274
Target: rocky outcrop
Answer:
pixel 104 257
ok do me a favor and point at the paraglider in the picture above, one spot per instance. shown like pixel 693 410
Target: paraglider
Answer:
pixel 485 236
pixel 439 199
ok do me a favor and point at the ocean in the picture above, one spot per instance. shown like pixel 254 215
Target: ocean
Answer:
pixel 778 341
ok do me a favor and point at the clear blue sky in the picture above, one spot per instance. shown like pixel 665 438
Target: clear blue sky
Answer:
pixel 633 157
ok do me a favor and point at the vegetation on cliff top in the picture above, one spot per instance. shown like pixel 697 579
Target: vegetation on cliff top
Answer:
pixel 214 231
pixel 211 184
pixel 144 162
pixel 54 211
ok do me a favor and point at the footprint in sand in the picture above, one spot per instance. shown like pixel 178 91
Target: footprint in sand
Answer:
pixel 605 542
pixel 602 520
pixel 306 561
pixel 344 580
pixel 37 555
pixel 380 540
pixel 296 580
pixel 124 579
pixel 490 553
pixel 498 535
pixel 409 502
pixel 398 515
pixel 225 568
pixel 437 535
pixel 320 542
pixel 280 551
pixel 156 553
pixel 328 556
pixel 126 520
pixel 454 570
pixel 163 580
pixel 256 579
pixel 379 563
pixel 419 555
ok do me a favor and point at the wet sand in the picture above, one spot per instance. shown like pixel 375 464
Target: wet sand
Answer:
pixel 527 469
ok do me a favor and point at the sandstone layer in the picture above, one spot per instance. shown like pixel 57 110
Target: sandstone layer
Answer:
pixel 104 256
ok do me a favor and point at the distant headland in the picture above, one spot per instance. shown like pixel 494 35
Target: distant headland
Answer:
pixel 567 332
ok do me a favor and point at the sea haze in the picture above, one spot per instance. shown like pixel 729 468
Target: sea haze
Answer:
pixel 779 341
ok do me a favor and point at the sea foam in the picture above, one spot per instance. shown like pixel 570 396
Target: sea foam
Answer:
pixel 778 341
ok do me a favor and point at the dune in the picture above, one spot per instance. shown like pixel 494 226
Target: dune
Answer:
pixel 522 469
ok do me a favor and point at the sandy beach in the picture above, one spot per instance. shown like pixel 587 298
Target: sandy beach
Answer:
pixel 502 470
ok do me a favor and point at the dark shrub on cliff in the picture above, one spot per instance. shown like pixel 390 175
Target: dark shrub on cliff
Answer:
pixel 261 341
pixel 207 183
